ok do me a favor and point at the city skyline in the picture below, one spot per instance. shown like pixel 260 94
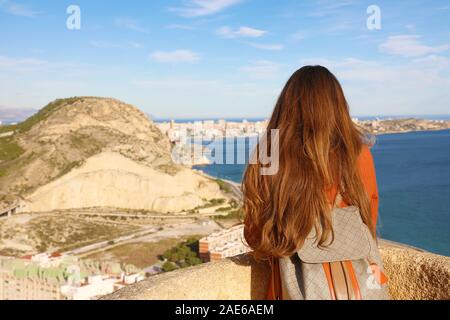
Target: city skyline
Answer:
pixel 224 58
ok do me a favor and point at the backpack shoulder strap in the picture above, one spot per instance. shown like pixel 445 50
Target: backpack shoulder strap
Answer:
pixel 337 200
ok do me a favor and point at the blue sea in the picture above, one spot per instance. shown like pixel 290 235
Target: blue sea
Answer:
pixel 413 172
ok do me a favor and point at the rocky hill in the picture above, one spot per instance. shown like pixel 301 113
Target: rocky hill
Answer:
pixel 90 152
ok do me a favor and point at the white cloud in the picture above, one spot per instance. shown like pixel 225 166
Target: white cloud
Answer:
pixel 242 32
pixel 177 56
pixel 130 24
pixel 409 46
pixel 266 46
pixel 200 8
pixel 17 9
pixel 418 86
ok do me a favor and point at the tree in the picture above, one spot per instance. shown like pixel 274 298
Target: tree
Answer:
pixel 168 266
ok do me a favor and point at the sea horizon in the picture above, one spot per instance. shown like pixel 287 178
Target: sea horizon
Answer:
pixel 9 120
pixel 254 119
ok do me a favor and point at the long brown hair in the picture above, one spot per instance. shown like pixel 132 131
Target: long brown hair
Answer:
pixel 318 150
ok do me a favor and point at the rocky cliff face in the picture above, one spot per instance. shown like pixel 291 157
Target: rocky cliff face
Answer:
pixel 89 152
pixel 112 180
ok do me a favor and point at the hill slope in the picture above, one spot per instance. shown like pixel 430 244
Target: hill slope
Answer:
pixel 62 137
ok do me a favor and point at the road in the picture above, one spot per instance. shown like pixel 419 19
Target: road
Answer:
pixel 106 243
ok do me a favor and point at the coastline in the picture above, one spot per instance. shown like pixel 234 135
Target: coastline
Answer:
pixel 235 187
pixel 206 175
pixel 410 131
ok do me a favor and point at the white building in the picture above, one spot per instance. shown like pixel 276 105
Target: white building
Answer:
pixel 97 286
pixel 223 244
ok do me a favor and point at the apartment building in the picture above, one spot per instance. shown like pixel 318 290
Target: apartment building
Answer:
pixel 13 287
pixel 223 244
pixel 60 277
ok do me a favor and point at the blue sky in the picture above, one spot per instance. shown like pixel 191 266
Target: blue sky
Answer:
pixel 225 58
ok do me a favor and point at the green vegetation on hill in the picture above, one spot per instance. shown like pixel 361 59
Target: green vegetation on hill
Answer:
pixel 235 214
pixel 231 212
pixel 210 203
pixel 41 115
pixel 9 149
pixel 223 185
pixel 168 266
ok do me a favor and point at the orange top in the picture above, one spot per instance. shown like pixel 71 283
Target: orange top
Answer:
pixel 367 171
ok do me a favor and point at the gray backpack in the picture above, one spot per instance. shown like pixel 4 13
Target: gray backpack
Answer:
pixel 350 268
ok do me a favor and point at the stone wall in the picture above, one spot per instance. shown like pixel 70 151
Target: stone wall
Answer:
pixel 412 275
pixel 415 275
